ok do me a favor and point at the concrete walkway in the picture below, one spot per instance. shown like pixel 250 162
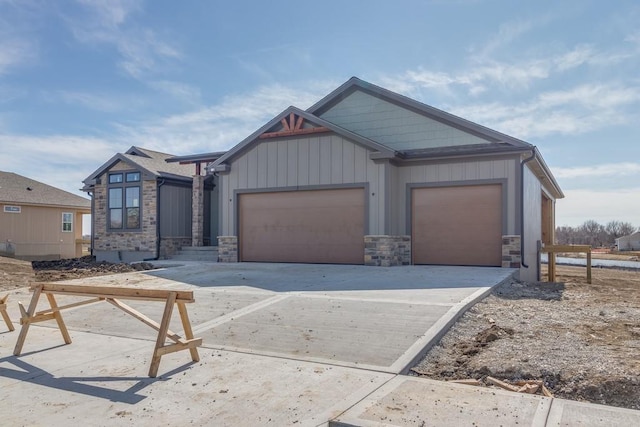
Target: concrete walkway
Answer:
pixel 284 344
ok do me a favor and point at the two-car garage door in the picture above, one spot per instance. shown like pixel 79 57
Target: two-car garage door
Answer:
pixel 459 225
pixel 318 226
pixel 455 225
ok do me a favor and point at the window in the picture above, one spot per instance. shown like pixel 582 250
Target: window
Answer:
pixel 67 222
pixel 124 201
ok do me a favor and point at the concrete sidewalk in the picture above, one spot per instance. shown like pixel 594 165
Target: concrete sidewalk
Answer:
pixel 284 344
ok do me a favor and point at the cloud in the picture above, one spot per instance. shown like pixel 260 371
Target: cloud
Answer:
pixel 141 49
pixel 577 110
pixel 59 160
pixel 598 171
pixel 104 102
pixel 601 206
pixel 178 90
pixel 221 126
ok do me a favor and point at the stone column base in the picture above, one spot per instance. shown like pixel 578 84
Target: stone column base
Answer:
pixel 511 255
pixel 387 251
pixel 227 248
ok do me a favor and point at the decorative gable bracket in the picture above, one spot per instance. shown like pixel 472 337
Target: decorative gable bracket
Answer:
pixel 293 125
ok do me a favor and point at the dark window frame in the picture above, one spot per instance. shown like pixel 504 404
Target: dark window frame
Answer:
pixel 127 181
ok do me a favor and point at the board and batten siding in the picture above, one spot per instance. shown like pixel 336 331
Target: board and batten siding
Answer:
pixel 455 173
pixel 175 211
pixel 396 127
pixel 532 216
pixel 299 163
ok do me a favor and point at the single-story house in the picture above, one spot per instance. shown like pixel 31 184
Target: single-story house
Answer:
pixel 365 176
pixel 368 176
pixel 38 221
pixel 142 205
pixel 629 243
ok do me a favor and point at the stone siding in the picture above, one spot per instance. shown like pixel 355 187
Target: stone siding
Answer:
pixel 511 255
pixel 227 249
pixel 197 209
pixel 143 240
pixel 170 245
pixel 387 251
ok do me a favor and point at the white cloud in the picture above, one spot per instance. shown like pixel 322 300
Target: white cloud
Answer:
pixel 15 52
pixel 602 206
pixel 599 171
pixel 182 91
pixel 221 126
pixel 104 102
pixel 141 49
pixel 59 160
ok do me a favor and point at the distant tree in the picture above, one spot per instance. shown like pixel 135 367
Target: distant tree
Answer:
pixel 593 233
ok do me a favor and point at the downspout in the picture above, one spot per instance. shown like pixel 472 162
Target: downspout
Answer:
pixel 522 163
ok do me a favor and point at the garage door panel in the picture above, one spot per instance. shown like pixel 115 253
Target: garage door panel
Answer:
pixel 457 225
pixel 323 226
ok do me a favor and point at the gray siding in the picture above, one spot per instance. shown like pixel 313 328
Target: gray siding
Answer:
pixel 175 211
pixel 394 126
pixel 295 163
pixel 454 172
pixel 532 224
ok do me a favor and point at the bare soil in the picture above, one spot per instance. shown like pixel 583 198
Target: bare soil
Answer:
pixel 582 340
pixel 17 274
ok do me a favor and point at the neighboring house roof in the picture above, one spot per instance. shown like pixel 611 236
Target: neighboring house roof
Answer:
pixel 153 164
pixel 635 235
pixel 17 189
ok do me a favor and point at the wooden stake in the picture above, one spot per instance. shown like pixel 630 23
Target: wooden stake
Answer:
pixel 5 315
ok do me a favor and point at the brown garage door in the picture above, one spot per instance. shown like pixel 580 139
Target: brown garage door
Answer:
pixel 457 225
pixel 323 226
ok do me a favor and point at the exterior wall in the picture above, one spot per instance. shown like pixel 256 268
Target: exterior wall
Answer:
pixel 175 211
pixel 387 251
pixel 398 128
pixel 452 172
pixel 511 253
pixel 322 161
pixel 532 230
pixel 125 245
pixel 197 209
pixel 227 249
pixel 170 245
pixel 629 243
pixel 36 233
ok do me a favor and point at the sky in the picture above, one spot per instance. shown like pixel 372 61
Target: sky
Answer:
pixel 82 80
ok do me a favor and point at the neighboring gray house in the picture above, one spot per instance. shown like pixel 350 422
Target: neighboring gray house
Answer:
pixel 142 205
pixel 368 176
pixel 629 243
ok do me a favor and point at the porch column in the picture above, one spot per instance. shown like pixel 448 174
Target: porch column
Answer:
pixel 197 209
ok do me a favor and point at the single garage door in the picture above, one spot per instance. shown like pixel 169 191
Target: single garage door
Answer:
pixel 459 225
pixel 320 226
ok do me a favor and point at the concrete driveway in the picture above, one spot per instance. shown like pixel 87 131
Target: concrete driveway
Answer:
pixel 281 342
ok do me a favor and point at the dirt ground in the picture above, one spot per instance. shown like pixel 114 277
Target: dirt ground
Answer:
pixel 17 274
pixel 582 340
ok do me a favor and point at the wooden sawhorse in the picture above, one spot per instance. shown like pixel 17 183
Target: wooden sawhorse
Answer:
pixel 3 312
pixel 114 295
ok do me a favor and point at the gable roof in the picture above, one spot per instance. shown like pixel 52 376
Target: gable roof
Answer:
pixel 275 124
pixel 153 164
pixel 355 84
pixel 18 189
